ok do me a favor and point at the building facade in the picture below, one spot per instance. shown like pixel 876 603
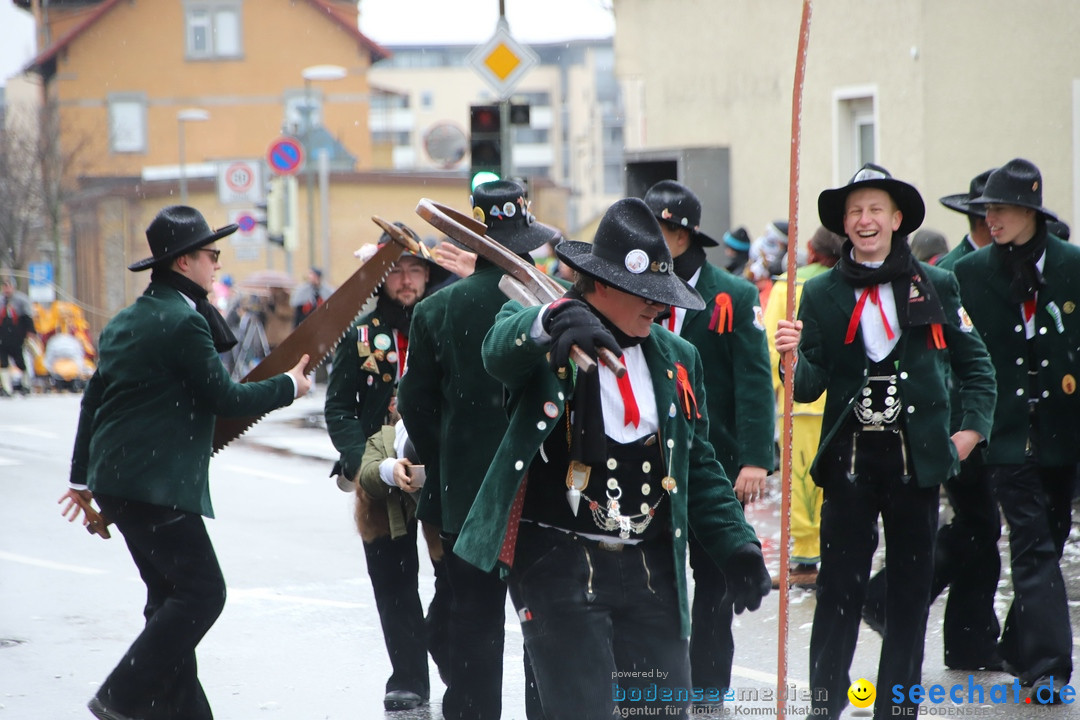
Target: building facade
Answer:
pixel 935 91
pixel 422 94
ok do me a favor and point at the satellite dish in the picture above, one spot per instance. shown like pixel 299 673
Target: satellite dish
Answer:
pixel 445 143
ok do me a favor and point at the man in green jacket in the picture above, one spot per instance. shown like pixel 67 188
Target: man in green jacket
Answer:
pixel 143 451
pixel 880 332
pixel 588 502
pixel 730 336
pixel 454 413
pixel 966 556
pixel 368 363
pixel 1022 294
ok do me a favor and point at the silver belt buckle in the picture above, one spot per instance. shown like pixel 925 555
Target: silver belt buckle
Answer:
pixel 610 546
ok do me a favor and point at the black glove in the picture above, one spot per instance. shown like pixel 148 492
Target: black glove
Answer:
pixel 747 579
pixel 570 322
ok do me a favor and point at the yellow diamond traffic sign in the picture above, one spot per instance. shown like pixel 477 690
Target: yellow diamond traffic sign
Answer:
pixel 502 61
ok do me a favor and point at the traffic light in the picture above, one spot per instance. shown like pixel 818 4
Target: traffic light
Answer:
pixel 485 144
pixel 272 212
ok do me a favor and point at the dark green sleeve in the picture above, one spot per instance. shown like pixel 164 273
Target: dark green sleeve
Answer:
pixel 973 371
pixel 197 362
pixel 755 403
pixel 343 393
pixel 714 513
pixel 510 354
pixel 80 457
pixel 420 392
pixel 811 368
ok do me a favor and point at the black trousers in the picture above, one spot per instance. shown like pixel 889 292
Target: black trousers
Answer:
pixel 14 352
pixel 849 537
pixel 477 626
pixel 967 561
pixel 157 679
pixel 712 646
pixel 393 567
pixel 1037 504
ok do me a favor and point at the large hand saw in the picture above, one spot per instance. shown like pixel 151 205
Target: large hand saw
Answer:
pixel 524 282
pixel 319 333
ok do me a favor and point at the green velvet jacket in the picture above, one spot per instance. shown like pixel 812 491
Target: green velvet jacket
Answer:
pixel 742 422
pixel 360 389
pixel 826 363
pixel 452 408
pixel 984 283
pixel 147 418
pixel 703 499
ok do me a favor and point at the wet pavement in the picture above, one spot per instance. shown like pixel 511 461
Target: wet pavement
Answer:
pixel 299 637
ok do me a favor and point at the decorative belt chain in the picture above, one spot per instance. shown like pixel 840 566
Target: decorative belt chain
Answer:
pixel 871 417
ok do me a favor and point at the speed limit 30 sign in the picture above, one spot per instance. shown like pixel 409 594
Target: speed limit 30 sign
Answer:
pixel 240 182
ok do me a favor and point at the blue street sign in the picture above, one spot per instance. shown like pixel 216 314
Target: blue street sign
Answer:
pixel 41 282
pixel 285 156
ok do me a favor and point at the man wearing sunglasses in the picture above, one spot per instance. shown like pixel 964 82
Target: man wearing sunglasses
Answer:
pixel 143 451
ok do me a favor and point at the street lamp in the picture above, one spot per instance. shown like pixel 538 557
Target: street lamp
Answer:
pixel 188 115
pixel 312 74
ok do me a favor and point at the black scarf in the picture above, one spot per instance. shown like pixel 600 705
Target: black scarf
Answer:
pixel 588 443
pixel 1019 260
pixel 394 314
pixel 690 261
pixel 223 337
pixel 917 302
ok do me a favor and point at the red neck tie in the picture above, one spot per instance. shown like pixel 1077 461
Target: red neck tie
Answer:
pixel 671 320
pixel 402 348
pixel 631 414
pixel 1029 309
pixel 856 315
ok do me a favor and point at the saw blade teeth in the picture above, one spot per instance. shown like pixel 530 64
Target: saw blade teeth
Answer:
pixel 238 435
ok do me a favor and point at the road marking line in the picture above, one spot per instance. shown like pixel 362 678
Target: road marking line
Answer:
pixel 291 480
pixel 49 564
pixel 28 431
pixel 268 594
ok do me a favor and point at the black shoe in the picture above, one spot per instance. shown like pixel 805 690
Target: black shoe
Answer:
pixel 402 700
pixel 101 712
pixel 1046 691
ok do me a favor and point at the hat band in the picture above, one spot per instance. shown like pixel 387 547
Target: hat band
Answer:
pixel 735 243
pixel 629 260
pixel 868 174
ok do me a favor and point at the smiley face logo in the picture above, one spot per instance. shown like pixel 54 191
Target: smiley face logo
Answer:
pixel 862 693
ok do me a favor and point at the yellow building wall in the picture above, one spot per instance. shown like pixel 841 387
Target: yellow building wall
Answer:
pixel 139 47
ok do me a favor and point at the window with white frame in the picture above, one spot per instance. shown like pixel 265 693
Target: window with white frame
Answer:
pixel 856 142
pixel 213 29
pixel 127 123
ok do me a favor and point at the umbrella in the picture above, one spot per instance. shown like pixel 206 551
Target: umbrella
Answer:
pixel 263 282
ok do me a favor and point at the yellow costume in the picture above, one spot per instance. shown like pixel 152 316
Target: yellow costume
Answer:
pixel 806 429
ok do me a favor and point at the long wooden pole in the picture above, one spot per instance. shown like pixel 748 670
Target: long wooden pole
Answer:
pixel 793 245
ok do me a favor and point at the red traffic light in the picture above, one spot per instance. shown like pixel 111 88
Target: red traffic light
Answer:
pixel 484 119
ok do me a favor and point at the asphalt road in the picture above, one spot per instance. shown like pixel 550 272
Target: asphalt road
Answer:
pixel 299 638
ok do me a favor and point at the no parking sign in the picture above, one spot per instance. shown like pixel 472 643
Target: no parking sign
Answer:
pixel 249 240
pixel 240 182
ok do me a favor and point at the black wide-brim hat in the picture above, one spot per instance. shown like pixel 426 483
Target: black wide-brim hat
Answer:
pixel 1017 182
pixel 501 205
pixel 176 230
pixel 436 272
pixel 629 253
pixel 677 204
pixel 832 203
pixel 961 202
